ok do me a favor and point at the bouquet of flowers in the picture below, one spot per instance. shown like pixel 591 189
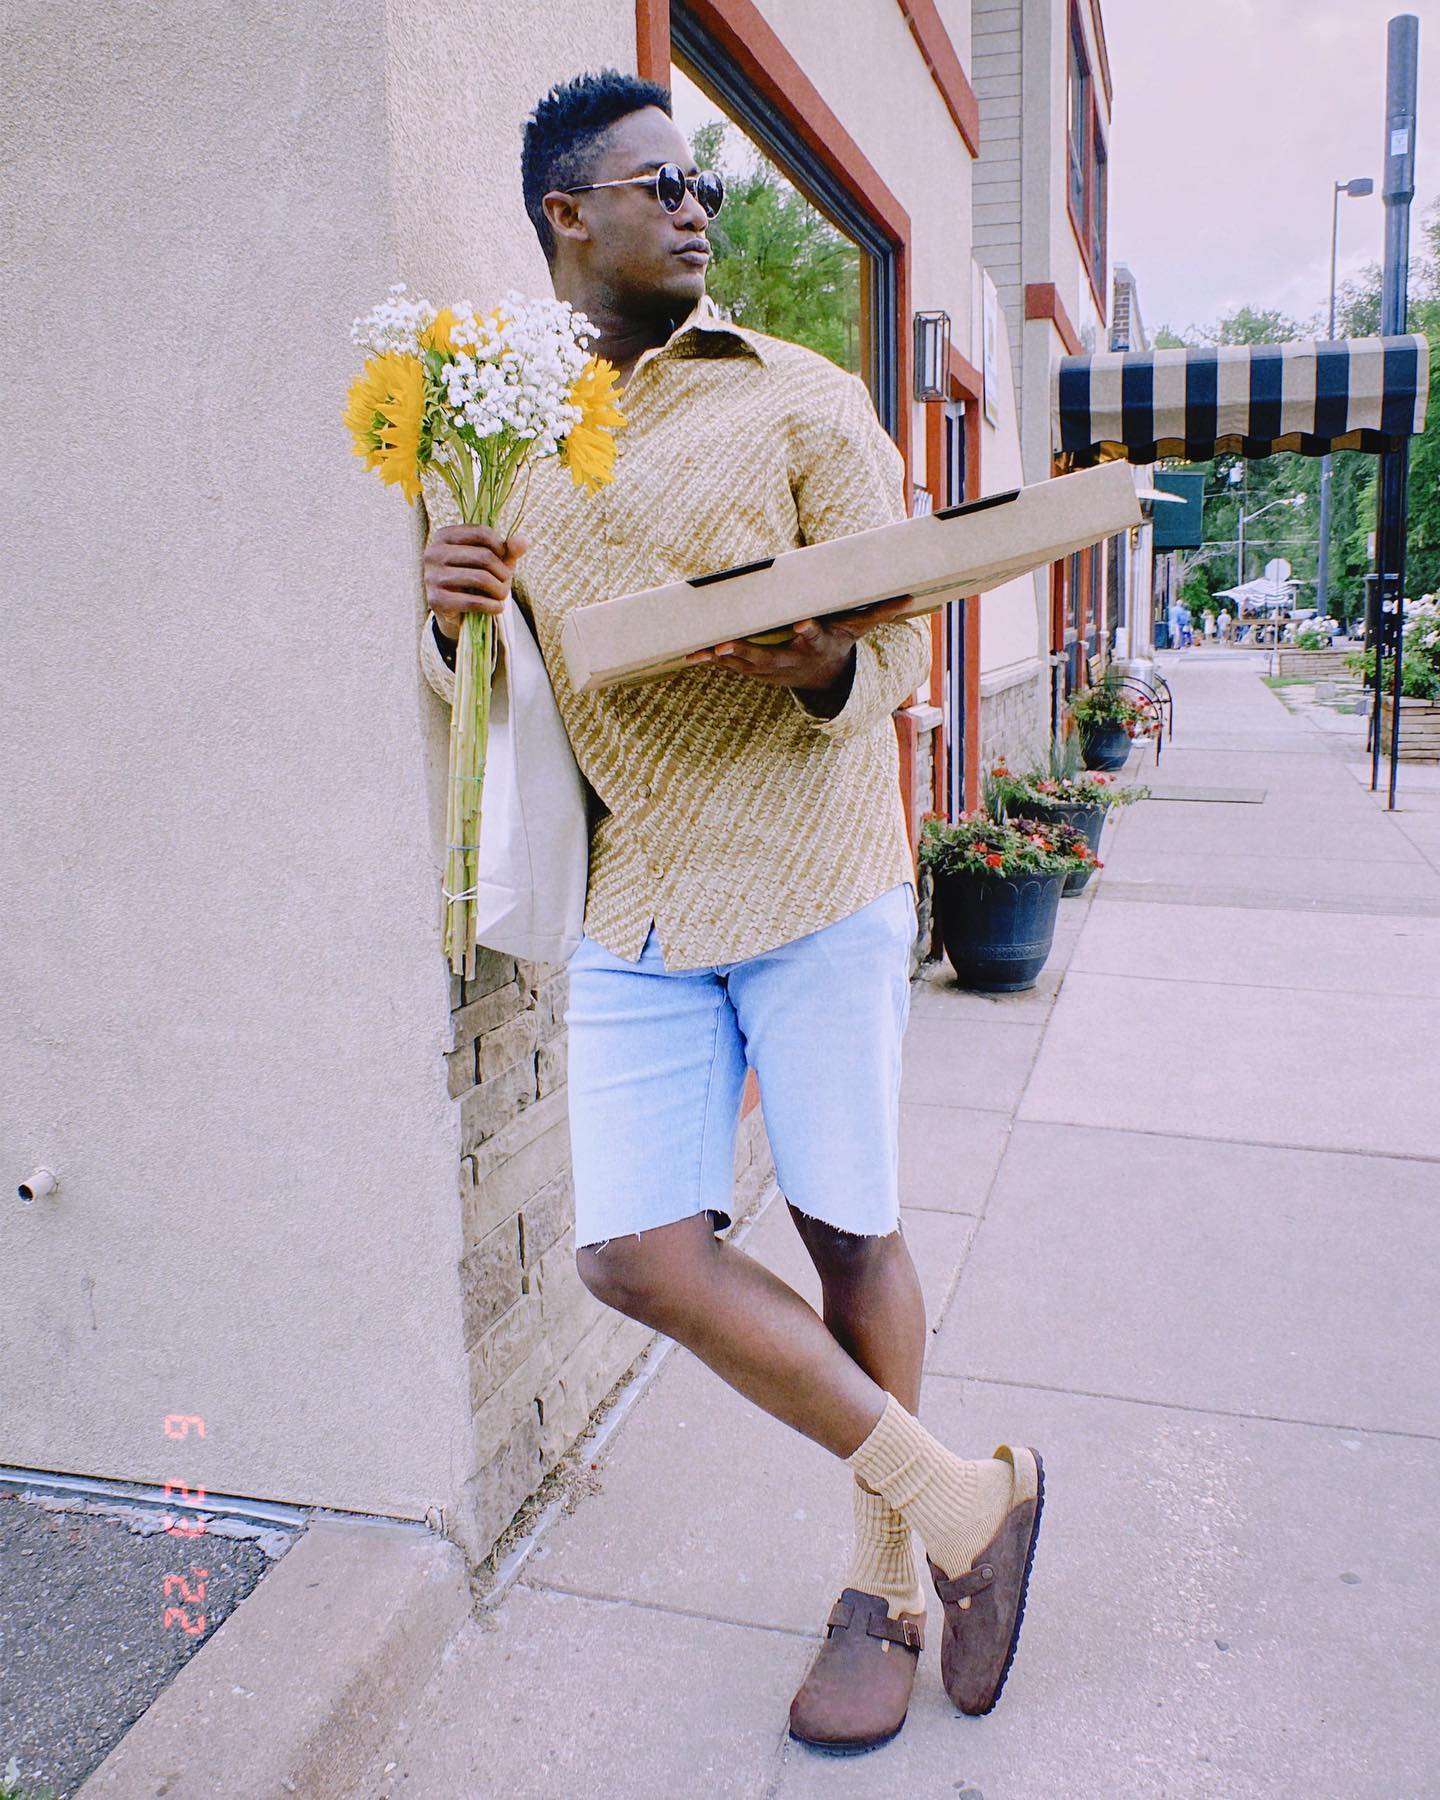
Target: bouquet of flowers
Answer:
pixel 479 398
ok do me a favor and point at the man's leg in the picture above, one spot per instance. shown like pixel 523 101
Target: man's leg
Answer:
pixel 741 1320
pixel 873 1307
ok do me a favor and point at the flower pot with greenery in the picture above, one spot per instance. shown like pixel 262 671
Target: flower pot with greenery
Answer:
pixel 1062 792
pixel 997 892
pixel 1107 718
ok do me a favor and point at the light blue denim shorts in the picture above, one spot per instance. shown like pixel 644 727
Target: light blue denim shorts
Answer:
pixel 657 1063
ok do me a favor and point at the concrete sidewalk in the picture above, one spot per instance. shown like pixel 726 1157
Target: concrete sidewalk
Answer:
pixel 1177 1217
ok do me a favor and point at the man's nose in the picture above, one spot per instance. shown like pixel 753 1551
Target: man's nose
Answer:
pixel 690 212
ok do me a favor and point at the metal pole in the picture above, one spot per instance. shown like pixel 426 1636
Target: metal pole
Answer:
pixel 1372 680
pixel 1402 62
pixel 1322 571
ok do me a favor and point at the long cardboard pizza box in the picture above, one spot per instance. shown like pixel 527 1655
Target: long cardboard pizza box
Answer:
pixel 933 558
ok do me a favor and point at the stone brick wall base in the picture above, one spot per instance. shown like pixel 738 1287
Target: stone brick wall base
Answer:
pixel 542 1351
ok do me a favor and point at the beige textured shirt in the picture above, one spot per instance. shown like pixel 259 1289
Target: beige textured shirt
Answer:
pixel 735 818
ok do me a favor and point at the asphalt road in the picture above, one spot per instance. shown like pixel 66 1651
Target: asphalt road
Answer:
pixel 89 1635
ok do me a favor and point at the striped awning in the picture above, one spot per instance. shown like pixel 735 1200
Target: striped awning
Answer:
pixel 1241 400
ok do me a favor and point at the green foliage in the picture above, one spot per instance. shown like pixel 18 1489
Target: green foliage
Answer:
pixel 779 266
pixel 1106 703
pixel 1420 665
pixel 1195 592
pixel 1294 535
pixel 1359 316
pixel 1037 792
pixel 1002 849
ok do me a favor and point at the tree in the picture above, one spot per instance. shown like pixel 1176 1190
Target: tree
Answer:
pixel 1359 312
pixel 1353 478
pixel 779 266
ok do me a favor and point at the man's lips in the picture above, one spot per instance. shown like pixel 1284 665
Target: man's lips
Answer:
pixel 696 252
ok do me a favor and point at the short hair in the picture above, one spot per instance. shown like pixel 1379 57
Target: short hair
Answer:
pixel 563 134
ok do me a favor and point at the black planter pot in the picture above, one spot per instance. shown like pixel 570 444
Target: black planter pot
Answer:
pixel 1090 820
pixel 997 934
pixel 1104 746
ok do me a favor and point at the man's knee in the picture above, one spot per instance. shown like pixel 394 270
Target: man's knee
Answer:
pixel 843 1255
pixel 619 1271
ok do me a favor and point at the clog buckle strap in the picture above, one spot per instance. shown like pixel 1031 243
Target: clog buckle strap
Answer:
pixel 965 1587
pixel 904 1630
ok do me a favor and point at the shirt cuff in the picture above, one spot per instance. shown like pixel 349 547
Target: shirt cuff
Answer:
pixel 438 672
pixel 834 698
pixel 866 702
pixel 891 660
pixel 447 646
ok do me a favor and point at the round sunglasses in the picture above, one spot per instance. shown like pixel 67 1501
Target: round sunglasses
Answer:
pixel 670 182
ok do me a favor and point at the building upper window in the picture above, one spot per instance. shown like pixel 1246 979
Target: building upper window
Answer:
pixel 1077 119
pixel 1086 156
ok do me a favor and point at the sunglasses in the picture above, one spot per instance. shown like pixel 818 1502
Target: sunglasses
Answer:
pixel 670 183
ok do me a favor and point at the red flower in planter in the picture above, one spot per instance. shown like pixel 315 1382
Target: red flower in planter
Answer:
pixel 994 861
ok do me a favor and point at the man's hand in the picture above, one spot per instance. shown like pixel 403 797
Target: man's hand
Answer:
pixel 468 568
pixel 818 655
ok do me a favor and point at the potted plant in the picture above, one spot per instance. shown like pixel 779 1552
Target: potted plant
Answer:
pixel 997 891
pixel 1419 683
pixel 1062 792
pixel 1107 718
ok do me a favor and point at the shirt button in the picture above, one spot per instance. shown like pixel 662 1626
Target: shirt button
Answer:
pixel 645 790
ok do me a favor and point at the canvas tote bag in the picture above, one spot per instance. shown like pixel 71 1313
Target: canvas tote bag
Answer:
pixel 534 831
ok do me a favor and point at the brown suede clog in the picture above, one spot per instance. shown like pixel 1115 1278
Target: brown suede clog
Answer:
pixel 985 1606
pixel 857 1691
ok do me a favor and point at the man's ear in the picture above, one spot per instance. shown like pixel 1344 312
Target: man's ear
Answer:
pixel 564 216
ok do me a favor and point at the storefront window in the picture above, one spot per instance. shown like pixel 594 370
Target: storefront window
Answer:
pixel 845 300
pixel 779 265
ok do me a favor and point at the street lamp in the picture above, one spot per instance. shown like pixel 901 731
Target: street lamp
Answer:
pixel 1357 191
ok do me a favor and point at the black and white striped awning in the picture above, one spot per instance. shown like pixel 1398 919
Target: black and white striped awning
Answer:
pixel 1241 400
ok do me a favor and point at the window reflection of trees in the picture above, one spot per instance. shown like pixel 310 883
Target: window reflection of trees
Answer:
pixel 779 266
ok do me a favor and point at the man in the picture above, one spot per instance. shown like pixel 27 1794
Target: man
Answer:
pixel 751 896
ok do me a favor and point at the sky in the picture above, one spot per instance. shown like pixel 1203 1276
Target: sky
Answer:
pixel 1233 120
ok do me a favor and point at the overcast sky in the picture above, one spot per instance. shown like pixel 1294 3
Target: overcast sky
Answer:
pixel 1233 119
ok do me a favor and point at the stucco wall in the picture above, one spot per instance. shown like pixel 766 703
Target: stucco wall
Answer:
pixel 225 1006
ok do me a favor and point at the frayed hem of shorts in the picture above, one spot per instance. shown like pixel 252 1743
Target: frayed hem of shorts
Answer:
pixel 844 1230
pixel 718 1211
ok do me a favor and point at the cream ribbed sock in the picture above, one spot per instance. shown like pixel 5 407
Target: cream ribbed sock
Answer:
pixel 883 1558
pixel 956 1505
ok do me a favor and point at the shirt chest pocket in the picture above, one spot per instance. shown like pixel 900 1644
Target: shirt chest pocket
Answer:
pixel 723 503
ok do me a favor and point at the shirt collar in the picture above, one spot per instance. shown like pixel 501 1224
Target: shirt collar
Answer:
pixel 705 315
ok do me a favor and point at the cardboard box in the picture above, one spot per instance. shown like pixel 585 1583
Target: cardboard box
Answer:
pixel 935 558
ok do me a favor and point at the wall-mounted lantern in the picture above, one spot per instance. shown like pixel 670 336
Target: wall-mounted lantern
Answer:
pixel 932 355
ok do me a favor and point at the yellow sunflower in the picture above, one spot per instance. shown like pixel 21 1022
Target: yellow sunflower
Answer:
pixel 589 448
pixel 436 335
pixel 385 410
